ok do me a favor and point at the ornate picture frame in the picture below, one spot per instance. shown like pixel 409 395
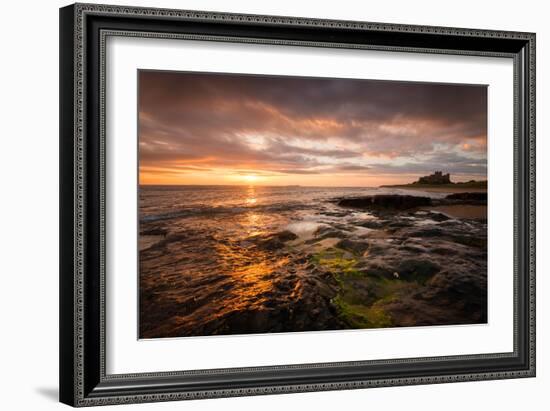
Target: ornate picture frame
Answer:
pixel 84 30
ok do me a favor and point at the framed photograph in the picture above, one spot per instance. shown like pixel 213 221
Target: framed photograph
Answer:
pixel 261 204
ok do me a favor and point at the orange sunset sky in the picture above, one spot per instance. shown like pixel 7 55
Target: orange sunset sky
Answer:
pixel 206 128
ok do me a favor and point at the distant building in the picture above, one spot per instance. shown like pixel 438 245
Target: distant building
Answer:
pixel 436 178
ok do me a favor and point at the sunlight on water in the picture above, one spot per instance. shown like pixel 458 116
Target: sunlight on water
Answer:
pixel 253 272
pixel 251 196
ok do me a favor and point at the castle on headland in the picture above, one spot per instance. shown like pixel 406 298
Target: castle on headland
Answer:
pixel 436 178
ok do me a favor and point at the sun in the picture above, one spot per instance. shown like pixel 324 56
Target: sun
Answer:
pixel 250 178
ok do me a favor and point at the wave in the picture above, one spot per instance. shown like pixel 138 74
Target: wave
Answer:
pixel 203 210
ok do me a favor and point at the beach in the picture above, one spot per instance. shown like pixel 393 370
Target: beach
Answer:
pixel 465 211
pixel 449 189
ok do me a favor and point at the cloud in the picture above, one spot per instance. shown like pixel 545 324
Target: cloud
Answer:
pixel 449 162
pixel 351 167
pixel 295 125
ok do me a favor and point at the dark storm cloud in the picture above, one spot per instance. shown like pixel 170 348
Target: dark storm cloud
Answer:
pixel 293 125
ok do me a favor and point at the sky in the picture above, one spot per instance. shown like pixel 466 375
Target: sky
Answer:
pixel 210 128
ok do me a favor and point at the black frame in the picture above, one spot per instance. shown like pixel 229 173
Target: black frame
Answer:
pixel 83 30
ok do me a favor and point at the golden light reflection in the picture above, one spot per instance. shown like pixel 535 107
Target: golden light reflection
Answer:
pixel 251 195
pixel 253 224
pixel 253 272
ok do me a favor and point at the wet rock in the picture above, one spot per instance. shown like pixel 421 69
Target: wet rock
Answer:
pixel 458 282
pixel 468 196
pixel 444 250
pixel 461 288
pixel 373 224
pixel 426 232
pixel 285 236
pixel 419 270
pixel 400 224
pixel 154 231
pixel 438 216
pixel 301 259
pixel 353 246
pixel 276 241
pixel 456 295
pixel 386 201
pixel 414 248
pixel 471 240
pixel 324 289
pixel 378 247
pixel 244 321
pixel 327 232
pixel 377 268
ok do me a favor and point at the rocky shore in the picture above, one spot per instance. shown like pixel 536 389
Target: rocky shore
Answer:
pixel 406 202
pixel 417 267
pixel 364 262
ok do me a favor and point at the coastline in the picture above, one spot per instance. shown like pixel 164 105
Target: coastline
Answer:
pixel 439 188
pixel 351 260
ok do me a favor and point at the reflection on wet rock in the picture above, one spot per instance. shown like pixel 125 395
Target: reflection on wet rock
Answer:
pixel 262 260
